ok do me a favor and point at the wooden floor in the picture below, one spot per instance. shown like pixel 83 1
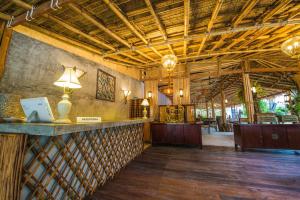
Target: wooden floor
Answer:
pixel 211 173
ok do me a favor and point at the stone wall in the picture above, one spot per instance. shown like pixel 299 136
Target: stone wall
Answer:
pixel 33 66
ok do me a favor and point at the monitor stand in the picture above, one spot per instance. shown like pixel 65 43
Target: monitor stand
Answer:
pixel 33 117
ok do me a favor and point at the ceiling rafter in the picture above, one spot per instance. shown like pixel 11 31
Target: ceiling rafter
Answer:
pixel 119 13
pixel 237 20
pixel 38 11
pixel 159 24
pixel 211 23
pixel 187 5
pixel 280 5
pixel 212 33
pixel 102 27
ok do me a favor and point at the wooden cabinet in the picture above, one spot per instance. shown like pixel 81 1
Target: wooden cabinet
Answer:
pixel 252 137
pixel 275 137
pixel 183 133
pixel 268 136
pixel 293 134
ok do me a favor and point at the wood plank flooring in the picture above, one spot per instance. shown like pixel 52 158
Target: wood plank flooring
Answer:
pixel 211 173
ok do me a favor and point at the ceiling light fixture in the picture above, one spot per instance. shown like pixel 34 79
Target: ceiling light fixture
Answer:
pixel 291 47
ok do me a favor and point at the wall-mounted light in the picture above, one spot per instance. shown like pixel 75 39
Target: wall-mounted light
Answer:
pixel 286 98
pixel 169 91
pixel 226 101
pixel 253 89
pixel 149 94
pixel 181 92
pixel 126 94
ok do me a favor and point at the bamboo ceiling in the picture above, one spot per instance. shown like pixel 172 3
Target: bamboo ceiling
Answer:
pixel 212 38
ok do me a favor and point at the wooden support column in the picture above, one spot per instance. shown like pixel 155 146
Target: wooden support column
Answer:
pixel 181 83
pixel 248 94
pixel 297 78
pixel 12 151
pixel 152 85
pixel 206 107
pixel 5 36
pixel 223 106
pixel 213 115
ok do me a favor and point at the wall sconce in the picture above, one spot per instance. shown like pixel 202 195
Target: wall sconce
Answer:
pixel 181 92
pixel 226 101
pixel 126 94
pixel 149 94
pixel 169 91
pixel 286 98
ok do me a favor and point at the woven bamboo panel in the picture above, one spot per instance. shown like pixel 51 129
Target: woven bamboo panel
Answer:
pixel 72 166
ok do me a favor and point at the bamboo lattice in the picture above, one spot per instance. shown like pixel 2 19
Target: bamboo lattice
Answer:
pixel 72 166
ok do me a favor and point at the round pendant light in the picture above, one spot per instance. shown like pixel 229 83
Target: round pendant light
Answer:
pixel 291 47
pixel 169 62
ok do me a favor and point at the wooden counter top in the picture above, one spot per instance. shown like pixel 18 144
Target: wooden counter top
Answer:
pixel 52 129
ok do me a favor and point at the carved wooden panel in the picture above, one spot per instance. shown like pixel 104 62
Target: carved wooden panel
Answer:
pixel 72 166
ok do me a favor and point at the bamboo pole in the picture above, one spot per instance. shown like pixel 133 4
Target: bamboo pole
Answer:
pixel 4 44
pixel 248 94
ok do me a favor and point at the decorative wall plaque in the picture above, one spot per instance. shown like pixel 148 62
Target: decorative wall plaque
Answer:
pixel 106 86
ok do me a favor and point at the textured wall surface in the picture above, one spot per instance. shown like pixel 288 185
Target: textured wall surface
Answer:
pixel 33 66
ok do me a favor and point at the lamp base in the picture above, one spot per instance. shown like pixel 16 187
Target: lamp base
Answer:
pixel 145 113
pixel 63 109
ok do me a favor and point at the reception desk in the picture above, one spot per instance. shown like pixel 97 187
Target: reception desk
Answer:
pixel 64 161
pixel 267 136
pixel 176 134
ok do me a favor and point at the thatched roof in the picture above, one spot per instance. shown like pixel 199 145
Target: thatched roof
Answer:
pixel 211 37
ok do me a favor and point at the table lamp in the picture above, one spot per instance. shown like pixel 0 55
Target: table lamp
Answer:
pixel 145 103
pixel 68 81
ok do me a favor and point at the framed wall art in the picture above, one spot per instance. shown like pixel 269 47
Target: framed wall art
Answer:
pixel 106 86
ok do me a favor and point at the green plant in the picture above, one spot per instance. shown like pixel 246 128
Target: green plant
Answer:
pixel 259 92
pixel 263 106
pixel 281 111
pixel 295 103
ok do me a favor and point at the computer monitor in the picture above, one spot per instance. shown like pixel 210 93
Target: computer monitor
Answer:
pixel 37 109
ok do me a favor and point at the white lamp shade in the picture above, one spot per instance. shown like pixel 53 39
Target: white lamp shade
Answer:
pixel 145 102
pixel 68 79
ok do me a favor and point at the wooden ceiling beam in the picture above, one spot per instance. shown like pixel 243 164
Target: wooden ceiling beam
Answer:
pixel 79 32
pixel 38 11
pixel 119 13
pixel 281 4
pixel 212 33
pixel 237 20
pixel 211 22
pixel 245 11
pixel 159 24
pixel 187 5
pixel 84 13
pixel 5 16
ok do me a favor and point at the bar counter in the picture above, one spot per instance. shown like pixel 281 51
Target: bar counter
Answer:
pixel 64 161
